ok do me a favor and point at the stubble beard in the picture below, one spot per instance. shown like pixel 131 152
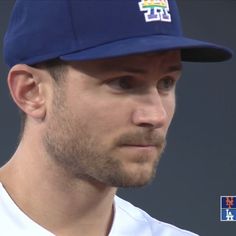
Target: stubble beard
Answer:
pixel 79 153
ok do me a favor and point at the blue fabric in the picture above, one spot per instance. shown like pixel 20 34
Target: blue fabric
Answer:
pixel 93 29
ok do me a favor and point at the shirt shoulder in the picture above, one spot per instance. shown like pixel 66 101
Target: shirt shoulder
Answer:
pixel 131 220
pixel 13 221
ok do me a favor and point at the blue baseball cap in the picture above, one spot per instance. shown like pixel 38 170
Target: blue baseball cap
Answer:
pixel 76 30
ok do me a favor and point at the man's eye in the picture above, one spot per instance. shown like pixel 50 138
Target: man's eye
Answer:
pixel 166 84
pixel 122 83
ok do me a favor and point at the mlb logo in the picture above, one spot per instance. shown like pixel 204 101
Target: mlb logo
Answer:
pixel 228 208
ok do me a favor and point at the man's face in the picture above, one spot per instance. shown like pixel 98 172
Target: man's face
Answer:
pixel 109 118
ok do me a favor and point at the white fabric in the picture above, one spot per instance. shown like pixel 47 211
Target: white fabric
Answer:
pixel 128 221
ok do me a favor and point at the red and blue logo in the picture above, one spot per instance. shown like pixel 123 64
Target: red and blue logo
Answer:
pixel 228 208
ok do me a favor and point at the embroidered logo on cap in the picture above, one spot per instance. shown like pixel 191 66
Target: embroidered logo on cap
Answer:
pixel 156 10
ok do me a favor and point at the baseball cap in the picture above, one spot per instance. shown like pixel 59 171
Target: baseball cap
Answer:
pixel 77 30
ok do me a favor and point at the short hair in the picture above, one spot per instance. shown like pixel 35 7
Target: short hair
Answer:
pixel 56 68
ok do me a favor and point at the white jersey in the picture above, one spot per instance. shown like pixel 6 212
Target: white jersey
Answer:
pixel 128 221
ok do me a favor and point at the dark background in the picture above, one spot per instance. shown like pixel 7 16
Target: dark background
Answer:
pixel 200 161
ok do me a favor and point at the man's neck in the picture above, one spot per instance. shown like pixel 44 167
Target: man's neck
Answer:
pixel 62 205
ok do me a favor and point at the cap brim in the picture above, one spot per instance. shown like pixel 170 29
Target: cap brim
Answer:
pixel 191 50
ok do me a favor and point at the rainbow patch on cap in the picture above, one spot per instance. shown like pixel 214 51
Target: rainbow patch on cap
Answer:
pixel 156 10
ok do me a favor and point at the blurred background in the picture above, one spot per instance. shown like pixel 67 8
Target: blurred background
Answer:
pixel 199 164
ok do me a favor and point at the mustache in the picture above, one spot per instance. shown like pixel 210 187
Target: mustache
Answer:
pixel 142 138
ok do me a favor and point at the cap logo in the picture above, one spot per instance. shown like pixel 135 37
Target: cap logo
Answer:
pixel 156 10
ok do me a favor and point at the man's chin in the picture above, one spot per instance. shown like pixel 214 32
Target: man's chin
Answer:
pixel 133 180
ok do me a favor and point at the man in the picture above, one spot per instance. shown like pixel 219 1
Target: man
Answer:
pixel 95 81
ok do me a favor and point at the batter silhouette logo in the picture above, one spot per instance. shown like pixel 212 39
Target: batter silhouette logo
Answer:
pixel 228 208
pixel 156 10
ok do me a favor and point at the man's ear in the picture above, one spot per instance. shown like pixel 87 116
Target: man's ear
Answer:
pixel 27 90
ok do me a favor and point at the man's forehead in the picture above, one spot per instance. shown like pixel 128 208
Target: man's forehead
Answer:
pixel 168 60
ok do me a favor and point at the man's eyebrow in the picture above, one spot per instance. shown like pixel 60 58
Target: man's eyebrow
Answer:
pixel 174 68
pixel 133 70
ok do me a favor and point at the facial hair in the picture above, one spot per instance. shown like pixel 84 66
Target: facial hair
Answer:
pixel 83 155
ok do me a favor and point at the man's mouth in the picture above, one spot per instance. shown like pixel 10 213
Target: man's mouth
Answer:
pixel 140 145
pixel 142 140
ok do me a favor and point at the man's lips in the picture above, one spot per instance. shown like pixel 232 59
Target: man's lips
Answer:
pixel 145 140
pixel 140 145
pixel 144 146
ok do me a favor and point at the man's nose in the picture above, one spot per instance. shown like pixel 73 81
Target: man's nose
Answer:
pixel 150 111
